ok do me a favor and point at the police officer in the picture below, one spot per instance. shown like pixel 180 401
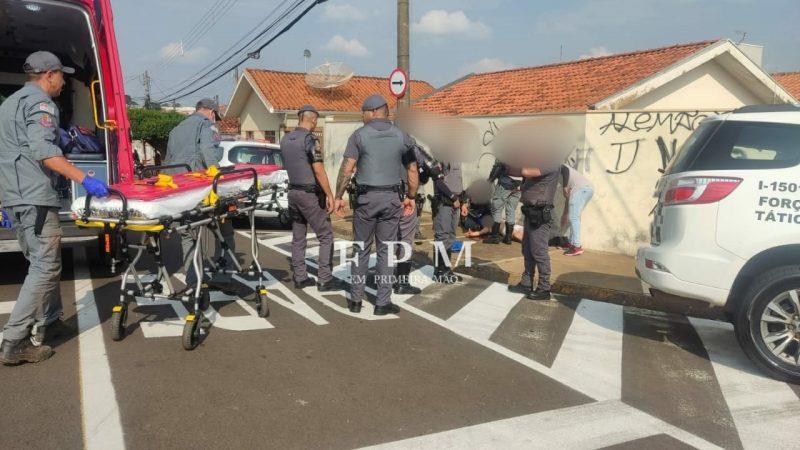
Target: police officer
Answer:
pixel 30 166
pixel 538 194
pixel 376 151
pixel 408 229
pixel 310 200
pixel 450 201
pixel 195 141
pixel 505 200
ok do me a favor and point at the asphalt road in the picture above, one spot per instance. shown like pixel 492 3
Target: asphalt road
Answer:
pixel 464 366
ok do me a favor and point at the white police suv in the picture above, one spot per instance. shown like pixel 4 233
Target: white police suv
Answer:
pixel 726 229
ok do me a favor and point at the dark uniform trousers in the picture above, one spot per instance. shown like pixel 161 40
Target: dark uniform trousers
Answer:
pixel 444 225
pixel 534 250
pixel 377 216
pixel 307 203
pixel 406 231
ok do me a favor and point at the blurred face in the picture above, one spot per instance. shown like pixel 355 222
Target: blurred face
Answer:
pixel 53 82
pixel 208 113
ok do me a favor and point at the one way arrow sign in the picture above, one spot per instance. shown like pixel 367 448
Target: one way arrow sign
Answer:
pixel 398 83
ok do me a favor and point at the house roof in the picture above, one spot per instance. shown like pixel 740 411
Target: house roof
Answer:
pixel 569 86
pixel 790 81
pixel 288 91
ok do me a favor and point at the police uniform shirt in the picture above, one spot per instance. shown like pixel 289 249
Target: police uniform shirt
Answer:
pixel 300 149
pixel 379 148
pixel 453 178
pixel 195 141
pixel 541 188
pixel 28 136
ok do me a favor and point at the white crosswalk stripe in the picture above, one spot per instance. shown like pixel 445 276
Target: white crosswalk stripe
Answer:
pixel 590 361
pixel 766 411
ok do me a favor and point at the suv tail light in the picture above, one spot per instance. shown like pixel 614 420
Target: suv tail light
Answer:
pixel 699 190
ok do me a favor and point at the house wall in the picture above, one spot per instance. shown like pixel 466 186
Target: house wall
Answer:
pixel 709 85
pixel 256 118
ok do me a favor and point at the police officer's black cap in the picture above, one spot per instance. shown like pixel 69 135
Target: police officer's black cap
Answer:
pixel 41 61
pixel 373 102
pixel 309 108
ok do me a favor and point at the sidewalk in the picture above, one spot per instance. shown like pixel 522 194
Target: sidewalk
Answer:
pixel 594 275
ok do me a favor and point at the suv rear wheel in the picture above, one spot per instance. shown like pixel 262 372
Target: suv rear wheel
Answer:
pixel 767 322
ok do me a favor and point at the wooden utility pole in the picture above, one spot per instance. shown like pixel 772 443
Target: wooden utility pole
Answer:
pixel 403 50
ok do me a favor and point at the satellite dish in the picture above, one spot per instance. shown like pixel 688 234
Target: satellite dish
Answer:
pixel 329 75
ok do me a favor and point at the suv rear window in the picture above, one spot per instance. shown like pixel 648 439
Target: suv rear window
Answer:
pixel 736 145
pixel 255 155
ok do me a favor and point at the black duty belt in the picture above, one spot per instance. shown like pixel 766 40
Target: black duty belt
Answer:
pixel 312 188
pixel 387 188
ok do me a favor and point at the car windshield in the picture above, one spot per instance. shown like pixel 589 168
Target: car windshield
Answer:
pixel 739 145
pixel 254 155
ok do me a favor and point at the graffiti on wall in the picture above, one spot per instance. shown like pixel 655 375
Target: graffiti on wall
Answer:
pixel 489 134
pixel 637 133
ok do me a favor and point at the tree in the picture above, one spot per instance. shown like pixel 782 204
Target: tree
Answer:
pixel 153 126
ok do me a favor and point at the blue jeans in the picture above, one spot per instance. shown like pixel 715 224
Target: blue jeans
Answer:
pixel 577 201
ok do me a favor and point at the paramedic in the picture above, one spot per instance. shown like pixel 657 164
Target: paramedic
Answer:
pixel 30 165
pixel 195 141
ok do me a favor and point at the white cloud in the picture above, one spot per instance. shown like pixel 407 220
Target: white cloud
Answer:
pixel 485 65
pixel 352 47
pixel 172 51
pixel 595 52
pixel 344 12
pixel 440 22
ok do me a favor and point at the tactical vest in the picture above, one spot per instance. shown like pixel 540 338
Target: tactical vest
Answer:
pixel 296 159
pixel 380 156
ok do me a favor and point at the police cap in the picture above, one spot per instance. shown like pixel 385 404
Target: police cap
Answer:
pixel 309 108
pixel 41 61
pixel 208 103
pixel 373 102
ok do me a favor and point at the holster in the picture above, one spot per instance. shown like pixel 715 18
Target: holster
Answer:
pixel 538 214
pixel 420 201
pixel 322 200
pixel 296 215
pixel 352 194
pixel 41 217
pixel 434 203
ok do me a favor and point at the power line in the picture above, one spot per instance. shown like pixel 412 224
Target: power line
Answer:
pixel 213 17
pixel 179 94
pixel 228 50
pixel 272 39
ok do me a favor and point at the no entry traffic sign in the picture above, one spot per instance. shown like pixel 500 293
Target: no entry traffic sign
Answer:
pixel 398 83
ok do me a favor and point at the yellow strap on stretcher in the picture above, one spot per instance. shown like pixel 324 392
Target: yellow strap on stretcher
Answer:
pixel 97 224
pixel 164 180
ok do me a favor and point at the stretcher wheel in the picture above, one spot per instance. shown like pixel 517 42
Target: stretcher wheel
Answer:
pixel 261 299
pixel 118 316
pixel 191 331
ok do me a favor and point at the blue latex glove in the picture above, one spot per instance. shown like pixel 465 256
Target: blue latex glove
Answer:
pixel 95 187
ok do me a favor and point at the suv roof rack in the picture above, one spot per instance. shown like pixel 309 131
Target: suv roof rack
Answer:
pixel 783 107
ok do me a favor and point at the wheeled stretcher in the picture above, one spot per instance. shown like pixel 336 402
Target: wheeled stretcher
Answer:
pixel 137 216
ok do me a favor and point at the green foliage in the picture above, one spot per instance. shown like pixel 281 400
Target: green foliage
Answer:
pixel 153 126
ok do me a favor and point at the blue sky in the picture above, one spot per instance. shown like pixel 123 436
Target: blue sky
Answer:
pixel 450 38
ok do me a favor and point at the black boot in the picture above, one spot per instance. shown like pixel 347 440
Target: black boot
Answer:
pixel 509 234
pixel 22 351
pixel 494 236
pixel 403 285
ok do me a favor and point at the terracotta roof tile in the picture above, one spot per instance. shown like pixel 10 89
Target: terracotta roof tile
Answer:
pixel 289 91
pixel 569 86
pixel 790 81
pixel 229 125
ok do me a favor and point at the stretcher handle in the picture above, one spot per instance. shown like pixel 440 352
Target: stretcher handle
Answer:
pixel 148 169
pixel 111 191
pixel 229 172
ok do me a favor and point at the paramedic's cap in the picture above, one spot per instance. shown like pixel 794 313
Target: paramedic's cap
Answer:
pixel 208 103
pixel 309 108
pixel 373 102
pixel 39 62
